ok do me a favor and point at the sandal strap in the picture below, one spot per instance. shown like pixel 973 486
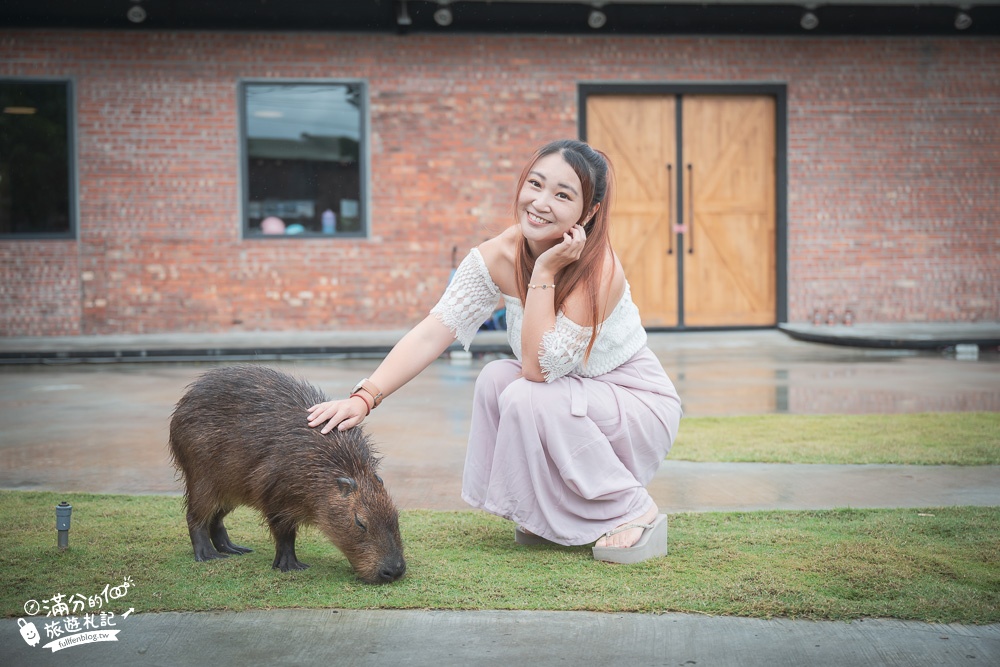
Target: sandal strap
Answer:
pixel 619 529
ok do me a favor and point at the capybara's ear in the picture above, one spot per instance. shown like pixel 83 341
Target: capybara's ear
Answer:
pixel 347 485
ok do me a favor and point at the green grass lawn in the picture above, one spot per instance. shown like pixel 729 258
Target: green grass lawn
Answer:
pixel 939 565
pixel 956 438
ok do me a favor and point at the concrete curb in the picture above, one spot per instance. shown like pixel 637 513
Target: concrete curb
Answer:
pixel 462 638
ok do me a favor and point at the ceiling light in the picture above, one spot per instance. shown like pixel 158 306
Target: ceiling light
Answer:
pixel 136 14
pixel 597 19
pixel 403 16
pixel 963 21
pixel 20 111
pixel 443 17
pixel 809 21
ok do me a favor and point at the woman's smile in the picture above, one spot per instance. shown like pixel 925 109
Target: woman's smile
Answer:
pixel 537 219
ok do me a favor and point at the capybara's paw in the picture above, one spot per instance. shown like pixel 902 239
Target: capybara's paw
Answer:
pixel 234 549
pixel 286 564
pixel 202 556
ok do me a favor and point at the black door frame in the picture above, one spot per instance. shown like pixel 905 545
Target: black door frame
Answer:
pixel 779 92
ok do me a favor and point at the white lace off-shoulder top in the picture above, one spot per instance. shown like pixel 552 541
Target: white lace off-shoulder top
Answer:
pixel 472 296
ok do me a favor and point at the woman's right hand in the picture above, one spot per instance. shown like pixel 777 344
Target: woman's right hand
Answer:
pixel 344 414
pixel 564 253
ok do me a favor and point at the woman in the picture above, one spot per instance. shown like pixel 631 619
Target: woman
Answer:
pixel 564 439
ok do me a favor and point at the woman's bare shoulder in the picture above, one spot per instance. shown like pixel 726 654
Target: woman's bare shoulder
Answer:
pixel 500 246
pixel 498 253
pixel 616 283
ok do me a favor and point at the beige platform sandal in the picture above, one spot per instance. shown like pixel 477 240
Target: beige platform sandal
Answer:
pixel 651 544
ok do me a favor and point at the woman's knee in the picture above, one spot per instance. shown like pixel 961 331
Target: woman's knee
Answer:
pixel 496 375
pixel 532 397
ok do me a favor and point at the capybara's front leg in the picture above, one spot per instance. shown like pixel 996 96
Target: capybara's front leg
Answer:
pixel 220 537
pixel 284 552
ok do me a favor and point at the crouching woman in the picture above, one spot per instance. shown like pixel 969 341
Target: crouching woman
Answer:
pixel 565 438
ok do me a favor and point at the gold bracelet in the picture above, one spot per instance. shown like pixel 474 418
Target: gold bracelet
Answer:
pixel 541 286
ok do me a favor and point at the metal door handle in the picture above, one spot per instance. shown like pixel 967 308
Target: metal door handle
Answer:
pixel 691 209
pixel 670 208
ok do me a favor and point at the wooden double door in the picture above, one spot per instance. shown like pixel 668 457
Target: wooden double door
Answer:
pixel 694 219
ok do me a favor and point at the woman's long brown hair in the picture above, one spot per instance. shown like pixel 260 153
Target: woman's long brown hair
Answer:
pixel 594 171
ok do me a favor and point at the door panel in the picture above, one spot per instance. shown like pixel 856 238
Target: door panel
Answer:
pixel 729 261
pixel 638 133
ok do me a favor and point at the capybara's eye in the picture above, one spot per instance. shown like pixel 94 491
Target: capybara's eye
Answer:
pixel 359 524
pixel 379 480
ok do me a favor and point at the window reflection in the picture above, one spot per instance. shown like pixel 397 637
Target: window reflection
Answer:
pixel 304 158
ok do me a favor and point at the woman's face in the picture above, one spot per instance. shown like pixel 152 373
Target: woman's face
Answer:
pixel 550 202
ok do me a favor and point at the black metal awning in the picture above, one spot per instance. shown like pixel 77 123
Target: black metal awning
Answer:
pixel 778 17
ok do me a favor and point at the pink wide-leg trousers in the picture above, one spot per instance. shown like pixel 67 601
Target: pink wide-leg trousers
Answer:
pixel 569 460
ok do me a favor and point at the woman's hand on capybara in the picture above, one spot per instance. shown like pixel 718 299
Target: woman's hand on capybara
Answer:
pixel 343 414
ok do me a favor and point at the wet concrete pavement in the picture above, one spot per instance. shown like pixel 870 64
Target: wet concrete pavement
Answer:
pixel 102 427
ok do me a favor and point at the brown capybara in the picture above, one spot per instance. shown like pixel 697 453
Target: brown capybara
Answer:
pixel 240 436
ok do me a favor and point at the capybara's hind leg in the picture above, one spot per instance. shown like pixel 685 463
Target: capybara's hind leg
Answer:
pixel 201 539
pixel 284 548
pixel 220 537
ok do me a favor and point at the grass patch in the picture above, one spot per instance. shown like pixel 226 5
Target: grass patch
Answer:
pixel 824 565
pixel 961 438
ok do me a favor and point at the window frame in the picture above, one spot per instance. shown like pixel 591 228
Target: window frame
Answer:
pixel 72 185
pixel 364 159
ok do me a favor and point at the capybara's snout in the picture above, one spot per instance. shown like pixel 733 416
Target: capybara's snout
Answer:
pixel 391 570
pixel 380 571
pixel 377 558
pixel 386 563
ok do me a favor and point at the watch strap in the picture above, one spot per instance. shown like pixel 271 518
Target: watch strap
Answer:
pixel 369 388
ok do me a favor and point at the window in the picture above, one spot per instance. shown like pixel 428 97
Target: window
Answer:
pixel 305 164
pixel 35 193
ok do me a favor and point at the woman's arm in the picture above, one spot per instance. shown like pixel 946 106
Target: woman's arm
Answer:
pixel 561 347
pixel 413 353
pixel 539 305
pixel 539 317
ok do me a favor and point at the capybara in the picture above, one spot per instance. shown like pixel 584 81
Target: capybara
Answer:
pixel 240 436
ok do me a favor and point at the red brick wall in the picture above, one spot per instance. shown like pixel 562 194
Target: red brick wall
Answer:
pixel 894 165
pixel 894 181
